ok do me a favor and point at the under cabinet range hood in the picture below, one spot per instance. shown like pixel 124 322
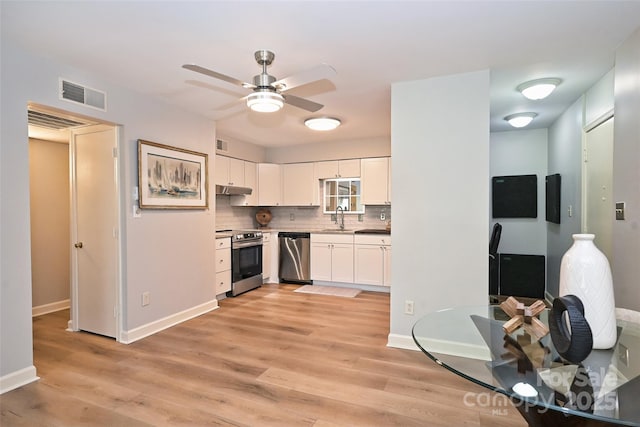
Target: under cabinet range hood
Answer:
pixel 231 190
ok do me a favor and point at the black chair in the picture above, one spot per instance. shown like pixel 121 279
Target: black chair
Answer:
pixel 493 258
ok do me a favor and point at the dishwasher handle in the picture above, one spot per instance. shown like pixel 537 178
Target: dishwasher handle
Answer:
pixel 294 235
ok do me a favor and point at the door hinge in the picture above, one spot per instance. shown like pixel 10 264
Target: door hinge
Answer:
pixel 114 150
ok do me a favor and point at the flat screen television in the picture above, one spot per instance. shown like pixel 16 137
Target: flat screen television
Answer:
pixel 552 198
pixel 514 196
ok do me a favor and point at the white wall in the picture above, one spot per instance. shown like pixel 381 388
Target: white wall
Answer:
pixel 168 253
pixel 565 158
pixel 440 195
pixel 242 150
pixel 334 150
pixel 626 175
pixel 599 100
pixel 521 152
pixel 50 221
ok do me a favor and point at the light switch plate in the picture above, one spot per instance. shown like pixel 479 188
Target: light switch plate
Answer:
pixel 620 206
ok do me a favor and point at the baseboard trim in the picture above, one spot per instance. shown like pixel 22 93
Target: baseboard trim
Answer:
pixel 371 288
pixel 133 335
pixel 401 341
pixel 50 308
pixel 18 379
pixel 440 346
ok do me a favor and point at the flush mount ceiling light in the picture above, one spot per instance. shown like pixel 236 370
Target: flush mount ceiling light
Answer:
pixel 322 123
pixel 538 89
pixel 520 120
pixel 265 102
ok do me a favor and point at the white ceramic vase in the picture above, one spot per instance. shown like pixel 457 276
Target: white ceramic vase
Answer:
pixel 585 273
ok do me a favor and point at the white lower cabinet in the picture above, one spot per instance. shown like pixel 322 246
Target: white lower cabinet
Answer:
pixel 223 265
pixel 372 259
pixel 266 257
pixel 332 257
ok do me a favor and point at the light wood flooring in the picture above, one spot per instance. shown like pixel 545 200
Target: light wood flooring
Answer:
pixel 271 357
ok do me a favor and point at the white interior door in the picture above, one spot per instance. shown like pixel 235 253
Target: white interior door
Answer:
pixel 95 255
pixel 599 204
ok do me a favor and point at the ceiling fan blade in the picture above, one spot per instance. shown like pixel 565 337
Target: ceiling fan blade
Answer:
pixel 322 71
pixel 305 104
pixel 215 74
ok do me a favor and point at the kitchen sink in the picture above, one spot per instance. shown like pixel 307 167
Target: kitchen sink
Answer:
pixel 336 230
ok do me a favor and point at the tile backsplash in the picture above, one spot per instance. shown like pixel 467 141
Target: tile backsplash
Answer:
pixel 297 218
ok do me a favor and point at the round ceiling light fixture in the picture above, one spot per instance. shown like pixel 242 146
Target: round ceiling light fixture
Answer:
pixel 538 89
pixel 520 120
pixel 265 101
pixel 322 123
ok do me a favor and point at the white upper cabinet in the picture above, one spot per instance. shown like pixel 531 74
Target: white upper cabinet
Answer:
pixel 269 184
pixel 229 171
pixel 299 188
pixel 338 169
pixel 376 181
pixel 251 181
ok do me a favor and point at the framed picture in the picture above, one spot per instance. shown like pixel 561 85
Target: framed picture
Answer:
pixel 171 177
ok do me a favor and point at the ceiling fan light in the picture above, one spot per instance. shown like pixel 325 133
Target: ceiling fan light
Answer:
pixel 538 89
pixel 520 120
pixel 322 123
pixel 265 102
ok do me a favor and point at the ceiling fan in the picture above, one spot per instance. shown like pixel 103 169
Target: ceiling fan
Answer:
pixel 268 93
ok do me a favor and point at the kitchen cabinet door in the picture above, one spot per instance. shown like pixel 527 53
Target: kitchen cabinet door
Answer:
pixel 342 263
pixel 332 257
pixel 251 181
pixel 376 181
pixel 221 176
pixel 349 168
pixel 372 259
pixel 223 265
pixel 369 264
pixel 387 266
pixel 236 172
pixel 321 261
pixel 338 169
pixel 299 188
pixel 229 171
pixel 266 257
pixel 269 184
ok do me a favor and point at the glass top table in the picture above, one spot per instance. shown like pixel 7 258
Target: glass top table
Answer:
pixel 602 390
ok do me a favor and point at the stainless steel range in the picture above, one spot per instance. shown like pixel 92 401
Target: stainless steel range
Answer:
pixel 246 261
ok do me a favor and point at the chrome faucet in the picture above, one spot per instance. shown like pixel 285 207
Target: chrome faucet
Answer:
pixel 339 208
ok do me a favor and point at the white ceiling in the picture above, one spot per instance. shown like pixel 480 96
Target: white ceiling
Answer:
pixel 371 44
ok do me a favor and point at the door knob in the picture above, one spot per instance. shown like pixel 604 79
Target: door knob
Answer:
pixel 78 245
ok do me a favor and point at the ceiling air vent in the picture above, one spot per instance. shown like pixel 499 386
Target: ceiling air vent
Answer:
pixel 49 121
pixel 83 95
pixel 221 145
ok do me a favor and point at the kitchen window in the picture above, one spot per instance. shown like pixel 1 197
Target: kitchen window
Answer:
pixel 345 193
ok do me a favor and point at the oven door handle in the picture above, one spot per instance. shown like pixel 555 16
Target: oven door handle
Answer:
pixel 241 245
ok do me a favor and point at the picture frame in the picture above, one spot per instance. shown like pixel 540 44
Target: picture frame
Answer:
pixel 171 177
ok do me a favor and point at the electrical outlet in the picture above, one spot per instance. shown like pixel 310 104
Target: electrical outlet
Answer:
pixel 383 216
pixel 146 298
pixel 292 216
pixel 136 212
pixel 408 307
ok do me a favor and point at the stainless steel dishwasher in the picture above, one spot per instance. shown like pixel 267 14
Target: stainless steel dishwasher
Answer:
pixel 295 257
